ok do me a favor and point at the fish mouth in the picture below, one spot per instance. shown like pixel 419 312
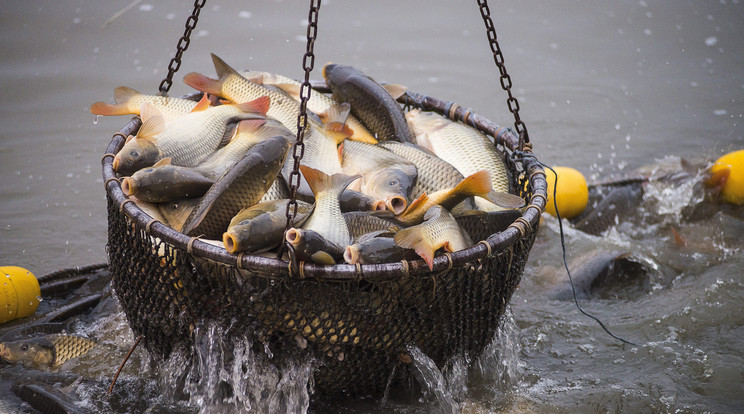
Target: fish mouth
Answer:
pixel 127 185
pixel 396 204
pixel 351 255
pixel 115 164
pixel 230 242
pixel 293 236
pixel 379 205
pixel 4 353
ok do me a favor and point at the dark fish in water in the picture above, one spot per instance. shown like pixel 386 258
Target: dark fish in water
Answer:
pixel 605 274
pixel 45 399
pixel 619 203
pixel 372 103
pixel 240 187
pixel 164 182
pixel 480 224
pixel 439 230
pixel 310 245
pixel 380 249
pixel 261 227
pixel 49 351
pixel 361 223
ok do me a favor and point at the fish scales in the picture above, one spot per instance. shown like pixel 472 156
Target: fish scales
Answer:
pixel 434 173
pixel 462 146
pixel 67 347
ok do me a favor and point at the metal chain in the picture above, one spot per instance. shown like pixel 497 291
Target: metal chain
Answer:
pixel 183 44
pixel 308 62
pixel 498 58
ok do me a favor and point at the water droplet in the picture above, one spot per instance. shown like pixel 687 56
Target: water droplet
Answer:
pixel 95 121
pixel 39 298
pixel 711 41
pixel 245 14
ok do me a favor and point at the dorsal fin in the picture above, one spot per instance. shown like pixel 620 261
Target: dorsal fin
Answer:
pixel 153 122
pixel 260 105
pixel 395 90
pixel 164 161
pixel 222 68
pixel 203 104
pixel 203 83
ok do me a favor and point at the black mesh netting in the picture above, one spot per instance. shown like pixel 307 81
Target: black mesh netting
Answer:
pixel 355 321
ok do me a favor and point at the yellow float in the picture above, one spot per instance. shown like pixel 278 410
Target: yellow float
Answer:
pixel 572 195
pixel 19 293
pixel 727 174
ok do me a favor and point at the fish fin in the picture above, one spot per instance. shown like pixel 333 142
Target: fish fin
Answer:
pixel 253 76
pixel 335 122
pixel 105 109
pixel 321 257
pixel 203 104
pixel 336 113
pixel 395 90
pixel 411 238
pixel 340 151
pixel 505 200
pixel 320 181
pixel 231 130
pixel 164 161
pixel 129 138
pixel 203 83
pixel 124 94
pixel 478 183
pixel 153 121
pixel 226 102
pixel 415 204
pixel 290 89
pixel 260 105
pixel 222 68
pixel 250 125
pixel 678 239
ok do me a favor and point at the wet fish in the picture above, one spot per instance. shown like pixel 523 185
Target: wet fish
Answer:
pixel 261 227
pixel 439 230
pixel 241 186
pixel 321 139
pixel 318 103
pixel 378 249
pixel 164 182
pixel 477 184
pixel 188 141
pixel 49 351
pixel 128 102
pixel 464 147
pixel 434 173
pixel 176 212
pixel 351 200
pixel 619 203
pixel 384 175
pixel 327 219
pixel 361 223
pixel 310 245
pixel 372 103
pixel 277 191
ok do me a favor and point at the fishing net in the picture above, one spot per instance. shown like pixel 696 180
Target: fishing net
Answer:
pixel 354 321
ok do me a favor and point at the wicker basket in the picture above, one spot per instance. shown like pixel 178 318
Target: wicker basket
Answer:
pixel 356 321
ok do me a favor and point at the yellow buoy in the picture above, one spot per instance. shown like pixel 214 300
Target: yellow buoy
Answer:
pixel 728 174
pixel 19 293
pixel 572 195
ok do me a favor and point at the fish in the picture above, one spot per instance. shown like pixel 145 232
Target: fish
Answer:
pixel 241 186
pixel 477 184
pixel 247 134
pixel 321 140
pixel 46 352
pixel 186 142
pixel 439 230
pixel 434 173
pixel 277 191
pixel 128 102
pixel 176 212
pixel 310 245
pixel 318 103
pixel 384 175
pixel 164 182
pixel 361 223
pixel 379 249
pixel 327 219
pixel 261 226
pixel 351 200
pixel 618 204
pixel 462 146
pixel 372 103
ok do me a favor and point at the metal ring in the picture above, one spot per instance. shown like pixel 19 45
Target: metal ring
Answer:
pixel 190 244
pixel 466 115
pixel 452 110
pixel 240 261
pixel 121 205
pixel 108 154
pixel 519 225
pixel 111 179
pixel 538 172
pixel 488 247
pixel 450 264
pixel 527 225
pixel 539 211
pixel 301 265
pixel 149 224
pixel 447 107
pixel 534 196
pixel 406 268
pixel 119 134
pixel 358 271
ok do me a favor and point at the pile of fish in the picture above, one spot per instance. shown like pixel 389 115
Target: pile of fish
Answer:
pixel 377 184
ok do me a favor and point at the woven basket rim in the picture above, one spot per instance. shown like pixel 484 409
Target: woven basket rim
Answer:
pixel 495 243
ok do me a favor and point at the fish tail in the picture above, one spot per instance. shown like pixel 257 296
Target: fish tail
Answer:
pixel 334 122
pixel 260 105
pixel 203 104
pixel 478 184
pixel 124 94
pixel 222 68
pixel 320 181
pixel 203 83
pixel 412 238
pixel 105 109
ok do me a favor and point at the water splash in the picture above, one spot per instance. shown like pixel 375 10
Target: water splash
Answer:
pixel 226 374
pixel 432 382
pixel 499 364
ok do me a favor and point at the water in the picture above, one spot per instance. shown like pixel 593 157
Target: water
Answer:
pixel 604 87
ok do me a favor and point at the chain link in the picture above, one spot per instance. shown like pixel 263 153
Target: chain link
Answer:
pixel 505 79
pixel 308 62
pixel 183 44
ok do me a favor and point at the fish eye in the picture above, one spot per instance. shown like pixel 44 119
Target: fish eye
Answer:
pixel 393 182
pixel 24 347
pixel 134 153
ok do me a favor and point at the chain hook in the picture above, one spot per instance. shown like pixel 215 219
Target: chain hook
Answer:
pixel 183 44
